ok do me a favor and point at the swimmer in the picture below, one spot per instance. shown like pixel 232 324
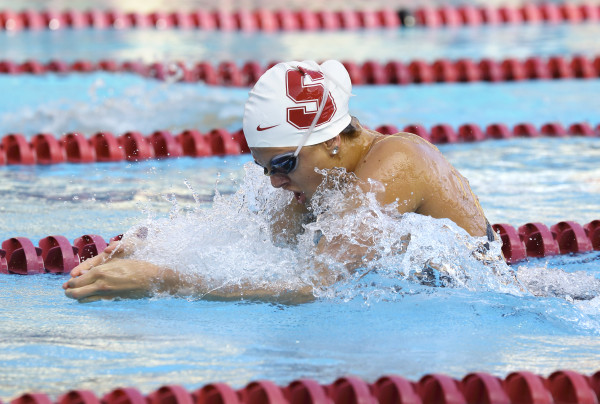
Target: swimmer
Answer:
pixel 297 120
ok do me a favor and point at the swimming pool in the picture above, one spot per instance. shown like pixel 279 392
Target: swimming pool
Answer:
pixel 49 343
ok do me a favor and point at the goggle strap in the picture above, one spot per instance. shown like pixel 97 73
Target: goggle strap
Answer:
pixel 317 117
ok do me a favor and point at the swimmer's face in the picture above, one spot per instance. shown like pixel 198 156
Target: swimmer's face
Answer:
pixel 302 180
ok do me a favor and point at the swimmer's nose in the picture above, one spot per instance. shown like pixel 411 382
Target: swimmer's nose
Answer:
pixel 278 180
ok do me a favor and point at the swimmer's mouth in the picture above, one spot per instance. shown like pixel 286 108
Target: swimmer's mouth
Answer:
pixel 300 197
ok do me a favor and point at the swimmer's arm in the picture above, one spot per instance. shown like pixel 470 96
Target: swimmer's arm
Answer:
pixel 126 278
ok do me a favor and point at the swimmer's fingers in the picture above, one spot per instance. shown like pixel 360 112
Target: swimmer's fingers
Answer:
pixel 89 287
pixel 122 247
pixel 86 293
pixel 89 264
pixel 113 247
pixel 117 278
pixel 86 278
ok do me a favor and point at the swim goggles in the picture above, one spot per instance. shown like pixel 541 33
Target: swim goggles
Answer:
pixel 287 162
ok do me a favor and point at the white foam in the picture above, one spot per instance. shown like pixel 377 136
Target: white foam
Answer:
pixel 554 282
pixel 231 243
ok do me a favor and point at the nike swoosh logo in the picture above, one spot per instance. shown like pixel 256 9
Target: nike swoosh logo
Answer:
pixel 258 128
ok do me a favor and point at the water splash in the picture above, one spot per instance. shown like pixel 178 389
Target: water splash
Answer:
pixel 231 243
pixel 554 282
pixel 228 244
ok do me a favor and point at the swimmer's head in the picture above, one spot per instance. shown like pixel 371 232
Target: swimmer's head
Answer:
pixel 296 104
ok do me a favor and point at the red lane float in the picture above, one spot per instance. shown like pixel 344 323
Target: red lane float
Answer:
pixel 571 237
pixel 483 388
pixel 438 388
pixel 56 255
pixel 306 391
pixel 78 397
pixel 263 391
pixel 526 387
pixel 216 393
pixel 129 395
pixel 78 149
pixel 570 387
pixel 470 133
pixel 369 72
pixel 525 130
pixel 136 146
pixel 194 144
pixel 89 245
pixel 592 230
pixel 395 389
pixel 222 143
pixel 133 146
pixel 17 150
pixel 309 20
pixel 47 149
pixel 22 257
pixel 538 240
pixel 418 130
pixel 171 394
pixel 562 386
pixel 443 133
pixel 553 129
pixel 512 244
pixel 106 147
pixel 165 144
pixel 3 263
pixel 32 398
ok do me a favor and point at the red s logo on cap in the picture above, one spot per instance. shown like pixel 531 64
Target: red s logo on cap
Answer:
pixel 302 93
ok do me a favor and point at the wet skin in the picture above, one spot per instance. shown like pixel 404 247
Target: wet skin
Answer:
pixel 412 172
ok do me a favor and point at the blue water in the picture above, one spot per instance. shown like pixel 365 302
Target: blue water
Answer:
pixel 53 344
pixel 496 42
pixel 95 102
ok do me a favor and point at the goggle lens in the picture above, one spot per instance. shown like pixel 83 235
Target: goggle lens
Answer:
pixel 282 164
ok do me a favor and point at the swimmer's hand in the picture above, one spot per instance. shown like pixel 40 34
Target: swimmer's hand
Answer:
pixel 117 278
pixel 116 249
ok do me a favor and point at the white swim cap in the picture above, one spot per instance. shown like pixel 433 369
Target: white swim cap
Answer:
pixel 286 99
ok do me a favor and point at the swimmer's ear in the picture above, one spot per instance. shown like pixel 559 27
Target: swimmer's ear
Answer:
pixel 333 145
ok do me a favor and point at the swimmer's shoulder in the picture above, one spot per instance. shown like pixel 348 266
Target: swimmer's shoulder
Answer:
pixel 403 141
pixel 399 163
pixel 399 152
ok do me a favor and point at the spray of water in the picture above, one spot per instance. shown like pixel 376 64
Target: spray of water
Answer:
pixel 231 243
pixel 545 281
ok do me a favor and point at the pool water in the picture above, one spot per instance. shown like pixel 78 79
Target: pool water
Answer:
pixel 379 325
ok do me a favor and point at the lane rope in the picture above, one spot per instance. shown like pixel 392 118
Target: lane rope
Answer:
pixel 55 254
pixel 45 148
pixel 370 72
pixel 562 386
pixel 267 20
